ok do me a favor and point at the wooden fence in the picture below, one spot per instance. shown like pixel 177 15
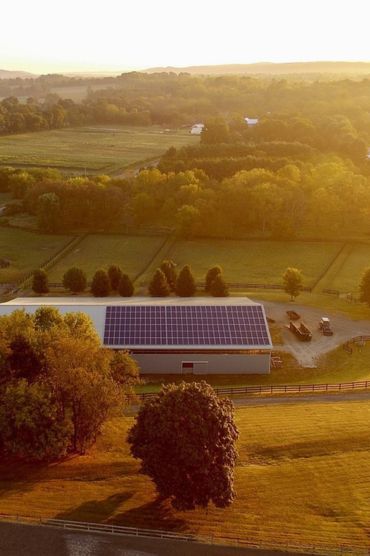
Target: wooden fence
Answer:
pixel 281 389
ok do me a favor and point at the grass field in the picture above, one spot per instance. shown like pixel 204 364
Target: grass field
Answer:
pixel 349 274
pixel 26 251
pixel 101 149
pixel 303 476
pixel 132 253
pixel 255 261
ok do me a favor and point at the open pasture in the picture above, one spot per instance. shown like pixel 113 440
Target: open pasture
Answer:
pixel 249 261
pixel 349 274
pixel 302 477
pixel 26 251
pixel 132 253
pixel 95 149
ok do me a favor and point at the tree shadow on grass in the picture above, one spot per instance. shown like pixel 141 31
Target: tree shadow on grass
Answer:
pixel 158 514
pixel 21 477
pixel 96 510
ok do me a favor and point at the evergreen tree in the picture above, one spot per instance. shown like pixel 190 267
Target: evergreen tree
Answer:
pixel 125 286
pixel 185 283
pixel 158 286
pixel 219 287
pixel 100 286
pixel 75 280
pixel 40 282
pixel 168 267
pixel 115 275
pixel 211 275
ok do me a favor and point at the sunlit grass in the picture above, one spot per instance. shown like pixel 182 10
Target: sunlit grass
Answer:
pixel 26 251
pixel 303 476
pixel 95 149
pixel 253 261
pixel 96 251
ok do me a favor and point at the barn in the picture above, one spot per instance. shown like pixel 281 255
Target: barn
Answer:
pixel 174 335
pixel 197 129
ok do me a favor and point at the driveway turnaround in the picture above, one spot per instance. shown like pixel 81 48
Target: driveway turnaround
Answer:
pixel 307 353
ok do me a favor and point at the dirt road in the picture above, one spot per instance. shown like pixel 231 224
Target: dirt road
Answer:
pixel 307 353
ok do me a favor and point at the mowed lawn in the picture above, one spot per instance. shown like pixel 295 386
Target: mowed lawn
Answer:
pixel 94 149
pixel 350 273
pixel 26 251
pixel 132 253
pixel 261 262
pixel 303 477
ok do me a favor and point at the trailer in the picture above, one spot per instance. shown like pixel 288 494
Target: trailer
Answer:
pixel 292 315
pixel 302 332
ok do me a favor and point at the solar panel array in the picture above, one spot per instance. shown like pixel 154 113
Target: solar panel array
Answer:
pixel 185 325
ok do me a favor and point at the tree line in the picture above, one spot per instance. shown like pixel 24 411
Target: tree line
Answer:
pixel 171 99
pixel 317 199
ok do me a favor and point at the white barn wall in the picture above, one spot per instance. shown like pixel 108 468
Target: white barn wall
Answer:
pixel 213 364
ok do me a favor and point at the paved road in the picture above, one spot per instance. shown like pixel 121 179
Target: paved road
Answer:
pixel 33 540
pixel 348 396
pixel 307 353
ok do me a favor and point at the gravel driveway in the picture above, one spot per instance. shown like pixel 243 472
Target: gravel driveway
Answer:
pixel 307 353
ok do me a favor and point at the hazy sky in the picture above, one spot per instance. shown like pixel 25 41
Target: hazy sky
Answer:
pixel 70 35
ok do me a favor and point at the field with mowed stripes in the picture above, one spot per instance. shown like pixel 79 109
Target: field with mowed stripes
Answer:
pixel 303 477
pixel 94 149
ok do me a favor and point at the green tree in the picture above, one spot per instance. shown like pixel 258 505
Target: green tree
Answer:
pixel 75 280
pixel 40 282
pixel 158 286
pixel 49 212
pixel 185 283
pixel 215 131
pixel 211 275
pixel 23 359
pixel 100 286
pixel 125 371
pixel 168 267
pixel 32 426
pixel 79 373
pixel 187 220
pixel 47 317
pixel 125 287
pixel 185 437
pixel 115 275
pixel 219 287
pixel 365 287
pixel 293 280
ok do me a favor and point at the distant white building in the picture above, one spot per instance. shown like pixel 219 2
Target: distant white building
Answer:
pixel 197 129
pixel 251 121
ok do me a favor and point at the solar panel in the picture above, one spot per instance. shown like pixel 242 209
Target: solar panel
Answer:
pixel 185 325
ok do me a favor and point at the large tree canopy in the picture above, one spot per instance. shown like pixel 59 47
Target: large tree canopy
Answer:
pixel 185 438
pixel 58 386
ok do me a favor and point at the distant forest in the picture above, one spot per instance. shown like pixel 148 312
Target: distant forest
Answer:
pixel 172 100
pixel 302 171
